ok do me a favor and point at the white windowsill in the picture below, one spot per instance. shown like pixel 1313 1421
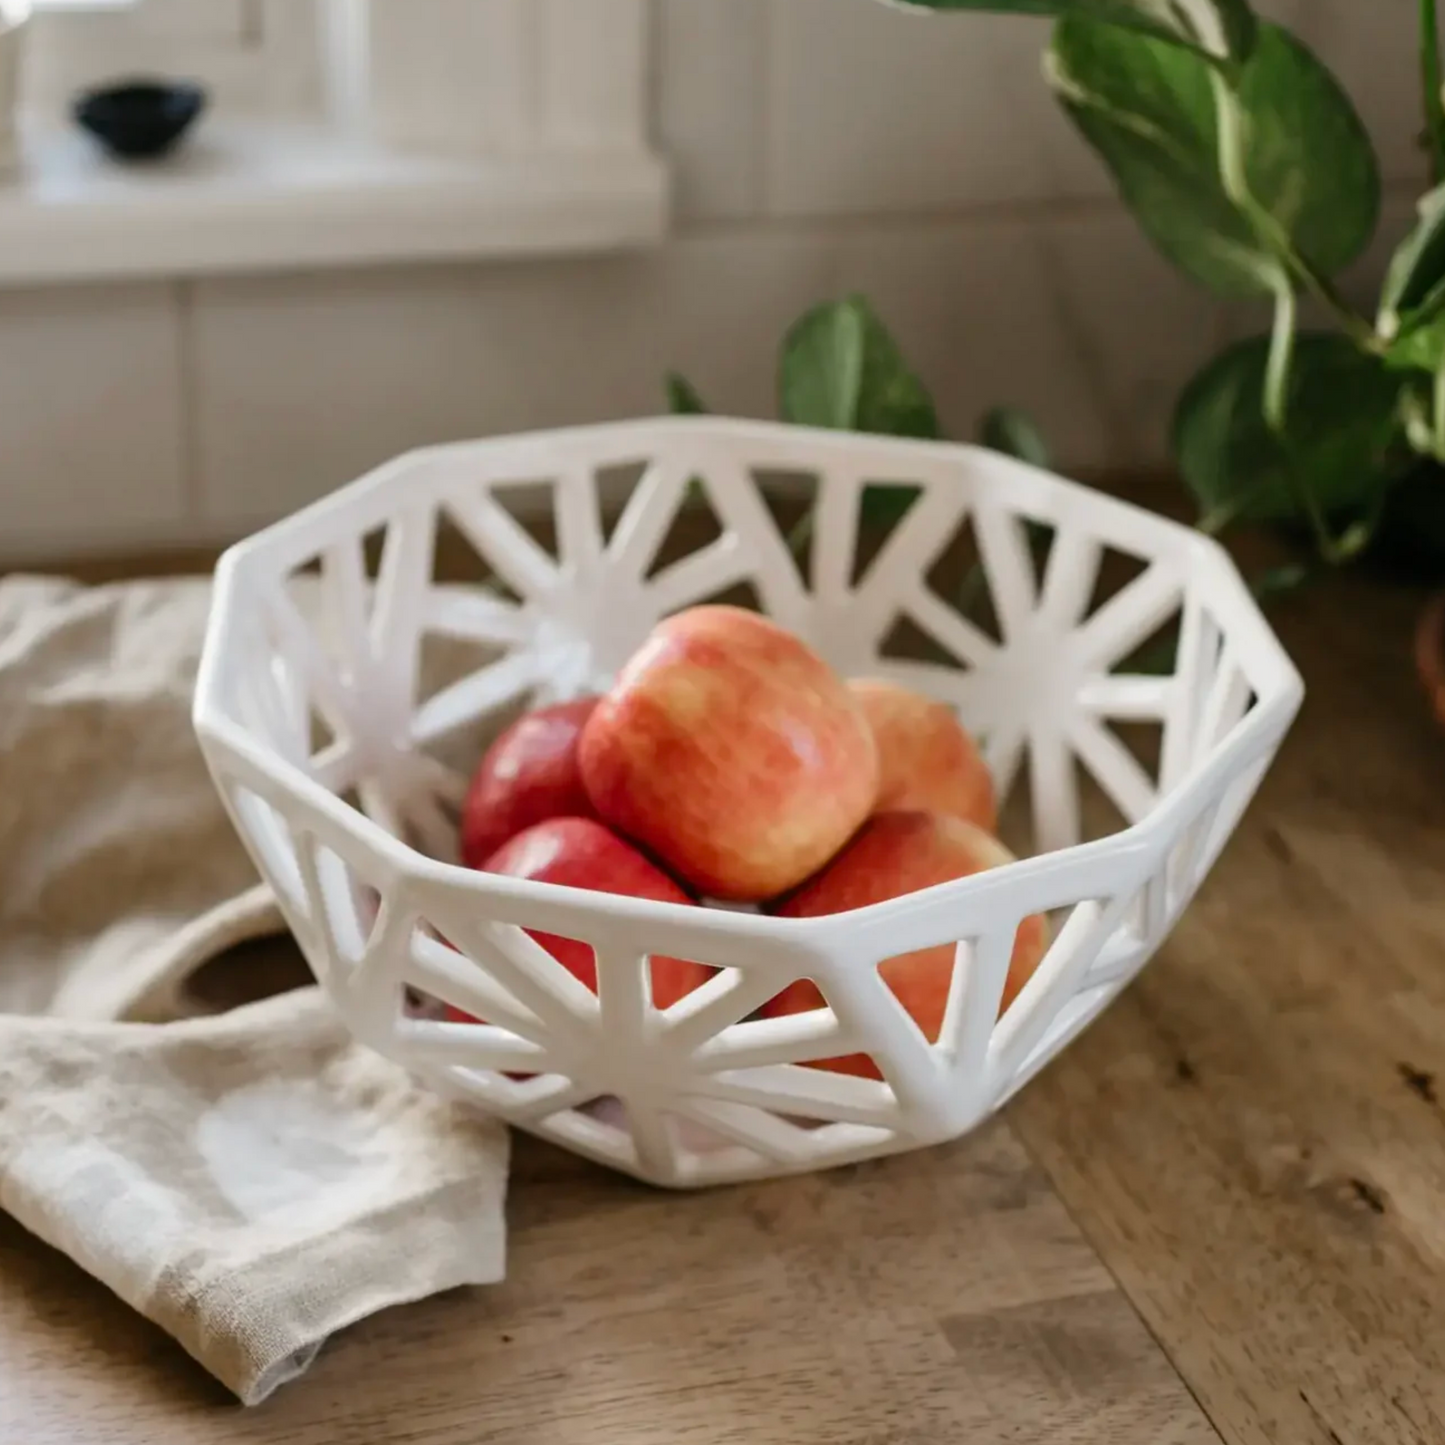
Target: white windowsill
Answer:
pixel 248 197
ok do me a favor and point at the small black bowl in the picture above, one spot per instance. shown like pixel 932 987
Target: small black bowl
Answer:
pixel 140 119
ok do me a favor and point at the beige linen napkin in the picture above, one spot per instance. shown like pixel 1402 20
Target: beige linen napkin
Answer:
pixel 251 1182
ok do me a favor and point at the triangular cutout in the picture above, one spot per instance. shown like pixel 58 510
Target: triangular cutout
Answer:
pixel 959 578
pixel 704 1128
pixel 345 908
pixel 447 657
pixel 532 504
pixel 322 734
pixel 372 544
pixel 1156 656
pixel 483 540
pixel 460 1040
pixel 418 1004
pixel 672 980
pixel 418 800
pixel 882 506
pixel 794 1026
pixel 475 668
pixel 906 641
pixel 615 484
pixel 1035 1014
pixel 607 1110
pixel 1117 569
pixel 694 1137
pixel 1142 739
pixel 597 1129
pixel 1099 813
pixel 461 990
pixel 459 562
pixel 731 995
pixel 985 981
pixel 694 526
pixel 790 497
pixel 1041 537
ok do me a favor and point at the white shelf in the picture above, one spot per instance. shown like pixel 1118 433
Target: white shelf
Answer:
pixel 253 197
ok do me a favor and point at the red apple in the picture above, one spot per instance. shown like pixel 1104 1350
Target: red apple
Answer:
pixel 897 853
pixel 527 776
pixel 582 853
pixel 732 752
pixel 925 758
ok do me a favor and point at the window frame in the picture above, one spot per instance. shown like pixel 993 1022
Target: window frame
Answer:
pixel 500 127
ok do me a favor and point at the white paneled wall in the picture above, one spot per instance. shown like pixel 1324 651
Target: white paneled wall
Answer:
pixel 92 417
pixel 876 110
pixel 818 146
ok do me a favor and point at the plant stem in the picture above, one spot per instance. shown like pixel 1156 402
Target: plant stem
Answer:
pixel 1437 439
pixel 1276 416
pixel 1281 356
pixel 1430 87
pixel 1419 429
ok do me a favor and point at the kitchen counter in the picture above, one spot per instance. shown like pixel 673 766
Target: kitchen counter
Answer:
pixel 1219 1216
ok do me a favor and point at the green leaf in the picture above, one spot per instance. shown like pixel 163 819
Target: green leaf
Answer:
pixel 1421 345
pixel 1149 109
pixel 882 506
pixel 841 369
pixel 1014 433
pixel 683 398
pixel 1226 28
pixel 1341 425
pixel 1412 301
pixel 820 378
pixel 1418 265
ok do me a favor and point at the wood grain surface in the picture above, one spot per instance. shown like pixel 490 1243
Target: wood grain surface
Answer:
pixel 1223 1204
pixel 1254 1135
pixel 944 1296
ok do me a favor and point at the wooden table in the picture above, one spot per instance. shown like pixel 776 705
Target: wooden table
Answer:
pixel 1221 1215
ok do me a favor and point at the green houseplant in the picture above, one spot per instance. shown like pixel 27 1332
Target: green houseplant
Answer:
pixel 1245 163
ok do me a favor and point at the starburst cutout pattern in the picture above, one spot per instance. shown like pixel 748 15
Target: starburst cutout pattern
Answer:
pixel 1113 665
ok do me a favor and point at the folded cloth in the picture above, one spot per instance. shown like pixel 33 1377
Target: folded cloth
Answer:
pixel 251 1182
pixel 121 870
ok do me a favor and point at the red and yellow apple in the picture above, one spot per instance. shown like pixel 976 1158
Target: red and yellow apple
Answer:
pixel 897 853
pixel 732 752
pixel 925 758
pixel 529 774
pixel 582 853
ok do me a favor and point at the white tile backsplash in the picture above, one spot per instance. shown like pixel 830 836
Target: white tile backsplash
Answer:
pixel 711 98
pixel 91 424
pixel 1016 338
pixel 303 383
pixel 817 145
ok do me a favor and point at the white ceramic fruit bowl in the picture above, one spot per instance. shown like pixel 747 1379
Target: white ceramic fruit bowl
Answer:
pixel 342 761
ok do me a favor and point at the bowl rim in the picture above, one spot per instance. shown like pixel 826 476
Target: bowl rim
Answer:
pixel 283 545
pixel 132 87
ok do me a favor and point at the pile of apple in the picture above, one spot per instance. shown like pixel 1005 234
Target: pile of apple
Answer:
pixel 729 763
